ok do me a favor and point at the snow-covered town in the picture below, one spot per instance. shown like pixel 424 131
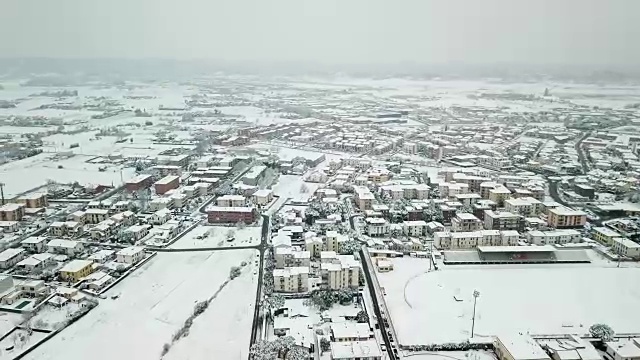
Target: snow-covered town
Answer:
pixel 233 217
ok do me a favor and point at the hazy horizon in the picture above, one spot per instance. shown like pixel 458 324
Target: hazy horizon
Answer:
pixel 328 33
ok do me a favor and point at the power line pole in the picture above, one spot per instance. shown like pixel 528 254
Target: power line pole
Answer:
pixel 2 191
pixel 476 294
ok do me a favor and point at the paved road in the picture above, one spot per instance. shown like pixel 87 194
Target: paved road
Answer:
pixel 376 306
pixel 581 157
pixel 266 229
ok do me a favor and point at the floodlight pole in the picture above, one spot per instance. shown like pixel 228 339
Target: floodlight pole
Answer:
pixel 476 294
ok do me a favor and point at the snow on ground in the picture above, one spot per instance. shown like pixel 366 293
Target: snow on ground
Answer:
pixel 51 317
pixel 292 186
pixel 26 174
pixel 154 302
pixel 288 153
pixel 205 236
pixel 454 355
pixel 8 321
pixel 12 345
pixel 223 331
pixel 437 307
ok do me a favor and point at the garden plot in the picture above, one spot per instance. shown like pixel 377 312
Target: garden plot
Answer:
pixel 205 236
pixel 437 306
pixel 143 312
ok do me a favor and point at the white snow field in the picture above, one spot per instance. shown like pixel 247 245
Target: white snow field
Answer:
pixel 205 236
pixel 153 304
pixel 293 187
pixel 437 306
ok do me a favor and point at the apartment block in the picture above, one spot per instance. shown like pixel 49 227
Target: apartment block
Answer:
pixel 231 201
pixel 503 220
pixel 465 222
pixel 12 212
pixel 340 271
pixel 291 279
pixel 626 247
pixel 291 257
pixel 363 197
pixel 562 236
pixel 526 206
pixel 414 228
pixel 472 239
pixel 377 226
pixel 604 234
pixel 563 218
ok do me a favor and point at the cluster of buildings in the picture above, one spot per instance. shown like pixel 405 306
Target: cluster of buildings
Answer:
pixel 311 261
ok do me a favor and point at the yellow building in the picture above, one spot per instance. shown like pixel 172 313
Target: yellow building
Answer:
pixel 75 270
pixel 604 235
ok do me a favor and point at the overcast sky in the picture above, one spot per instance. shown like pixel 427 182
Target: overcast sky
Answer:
pixel 327 31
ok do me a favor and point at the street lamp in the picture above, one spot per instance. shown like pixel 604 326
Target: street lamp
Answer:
pixel 476 295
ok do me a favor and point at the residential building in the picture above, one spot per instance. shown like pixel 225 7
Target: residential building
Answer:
pixel 94 216
pixel 356 350
pixel 313 244
pixel 8 226
pixel 32 288
pixel 350 331
pixel 518 347
pixel 136 232
pixel 571 348
pixel 291 257
pixel 10 257
pixel 561 218
pixel 11 212
pixel 560 236
pixel 161 203
pixel 503 220
pixel 253 176
pixel 130 255
pixel 341 272
pixel 624 349
pixel 167 183
pixel 499 195
pixel 98 280
pixel 65 229
pixel 138 183
pixel 102 256
pixel 472 239
pixel 65 247
pixel 165 170
pixel 32 201
pixel 231 201
pixel 414 228
pixel 218 214
pixel 75 270
pixel 335 240
pixel 624 247
pixel 262 197
pixel 291 279
pixel 377 226
pixel 160 217
pixel 34 244
pixel 526 206
pixel 363 197
pixel 604 234
pixel 465 222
